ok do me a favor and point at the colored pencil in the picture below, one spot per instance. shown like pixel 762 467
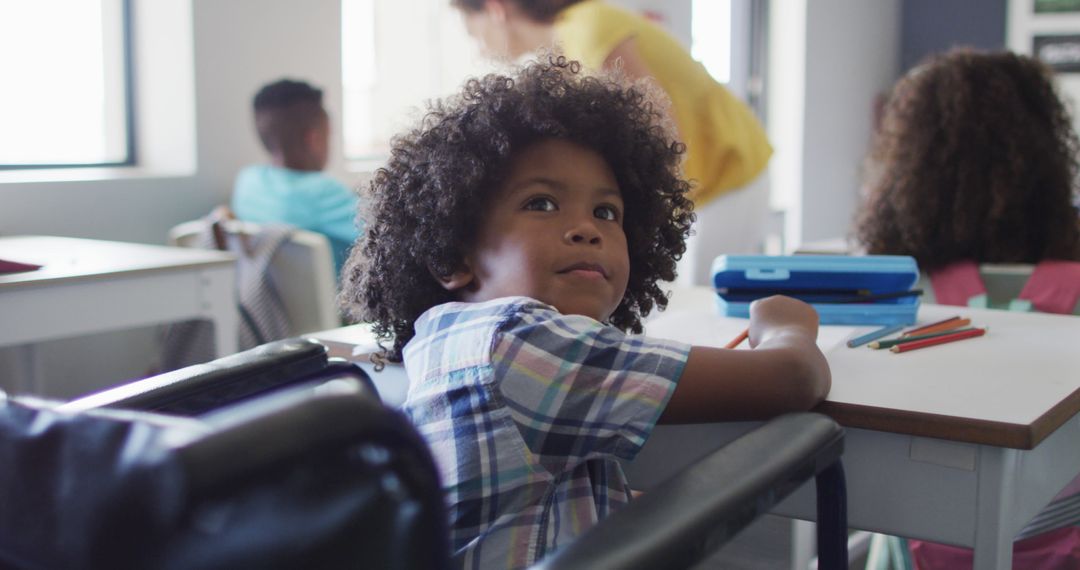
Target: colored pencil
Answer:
pixel 917 344
pixel 738 340
pixel 873 335
pixel 947 326
pixel 902 340
pixel 922 329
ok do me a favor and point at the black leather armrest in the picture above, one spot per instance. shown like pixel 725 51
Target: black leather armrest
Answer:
pixel 196 389
pixel 331 445
pixel 281 426
pixel 687 517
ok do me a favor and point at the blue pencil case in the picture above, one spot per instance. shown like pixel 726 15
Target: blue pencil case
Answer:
pixel 849 290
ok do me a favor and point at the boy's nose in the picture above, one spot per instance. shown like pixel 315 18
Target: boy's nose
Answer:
pixel 582 233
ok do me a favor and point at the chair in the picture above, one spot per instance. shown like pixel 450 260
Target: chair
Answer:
pixel 1004 283
pixel 316 473
pixel 302 271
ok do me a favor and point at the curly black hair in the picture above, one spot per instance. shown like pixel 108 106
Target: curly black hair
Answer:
pixel 426 203
pixel 538 10
pixel 976 159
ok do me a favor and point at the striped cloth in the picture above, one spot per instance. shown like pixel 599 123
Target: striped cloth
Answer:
pixel 526 410
pixel 262 311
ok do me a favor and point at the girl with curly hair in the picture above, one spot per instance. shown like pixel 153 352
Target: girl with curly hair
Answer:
pixel 516 236
pixel 975 162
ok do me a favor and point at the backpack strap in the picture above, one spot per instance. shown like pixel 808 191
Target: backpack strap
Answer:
pixel 958 284
pixel 1054 287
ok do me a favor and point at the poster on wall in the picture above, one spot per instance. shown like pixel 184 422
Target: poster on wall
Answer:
pixel 1052 6
pixel 1061 52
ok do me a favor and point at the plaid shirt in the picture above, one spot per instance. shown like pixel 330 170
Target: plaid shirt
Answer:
pixel 525 410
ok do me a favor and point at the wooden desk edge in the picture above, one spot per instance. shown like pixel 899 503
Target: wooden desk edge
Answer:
pixel 950 428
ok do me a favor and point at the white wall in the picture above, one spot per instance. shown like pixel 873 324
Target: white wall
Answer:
pixel 829 60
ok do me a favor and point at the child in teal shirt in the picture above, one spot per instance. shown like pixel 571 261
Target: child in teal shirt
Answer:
pixel 295 129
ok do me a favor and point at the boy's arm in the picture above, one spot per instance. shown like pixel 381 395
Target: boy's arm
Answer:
pixel 785 371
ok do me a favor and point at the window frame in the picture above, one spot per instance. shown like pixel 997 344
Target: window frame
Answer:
pixel 127 89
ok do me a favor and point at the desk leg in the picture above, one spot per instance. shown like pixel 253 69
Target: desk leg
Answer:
pixel 29 378
pixel 803 543
pixel 219 305
pixel 993 536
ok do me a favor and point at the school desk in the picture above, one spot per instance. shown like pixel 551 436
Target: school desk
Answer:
pixel 960 443
pixel 90 286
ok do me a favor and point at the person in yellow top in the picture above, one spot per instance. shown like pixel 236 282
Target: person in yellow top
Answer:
pixel 726 145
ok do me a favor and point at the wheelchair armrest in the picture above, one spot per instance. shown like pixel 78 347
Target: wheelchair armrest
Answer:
pixel 281 426
pixel 367 456
pixel 202 387
pixel 681 521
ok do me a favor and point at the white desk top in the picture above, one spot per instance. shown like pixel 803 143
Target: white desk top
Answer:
pixel 64 259
pixel 1010 388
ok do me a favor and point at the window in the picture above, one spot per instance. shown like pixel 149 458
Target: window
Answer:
pixel 711 32
pixel 66 96
pixel 398 54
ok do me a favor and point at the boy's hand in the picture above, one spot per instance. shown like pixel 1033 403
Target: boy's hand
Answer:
pixel 778 315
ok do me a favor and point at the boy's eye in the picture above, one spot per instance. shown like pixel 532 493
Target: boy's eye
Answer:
pixel 541 204
pixel 608 213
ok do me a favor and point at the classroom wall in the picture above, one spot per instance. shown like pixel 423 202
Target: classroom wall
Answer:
pixel 828 61
pixel 931 26
pixel 241 45
pixel 1023 25
pixel 851 58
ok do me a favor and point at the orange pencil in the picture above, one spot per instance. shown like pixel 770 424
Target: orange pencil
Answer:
pixel 940 327
pixel 919 330
pixel 738 340
pixel 917 344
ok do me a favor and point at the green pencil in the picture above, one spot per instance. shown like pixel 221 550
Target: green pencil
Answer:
pixel 894 342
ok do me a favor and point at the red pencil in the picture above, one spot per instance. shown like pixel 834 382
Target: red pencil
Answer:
pixel 738 340
pixel 917 344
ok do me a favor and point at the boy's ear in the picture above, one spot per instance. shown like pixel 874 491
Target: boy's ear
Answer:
pixel 460 279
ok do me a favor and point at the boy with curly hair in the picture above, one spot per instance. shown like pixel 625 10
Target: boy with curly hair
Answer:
pixel 516 236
